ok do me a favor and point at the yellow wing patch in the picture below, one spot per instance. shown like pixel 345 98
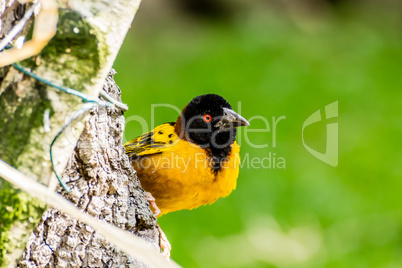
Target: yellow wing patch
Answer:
pixel 153 142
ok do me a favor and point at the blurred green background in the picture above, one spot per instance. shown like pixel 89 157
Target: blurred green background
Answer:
pixel 271 59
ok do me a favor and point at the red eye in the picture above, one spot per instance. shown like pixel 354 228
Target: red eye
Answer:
pixel 207 118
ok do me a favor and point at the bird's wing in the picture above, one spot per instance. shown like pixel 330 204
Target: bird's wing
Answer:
pixel 153 142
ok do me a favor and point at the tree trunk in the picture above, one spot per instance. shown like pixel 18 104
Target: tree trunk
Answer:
pixel 99 174
pixel 104 184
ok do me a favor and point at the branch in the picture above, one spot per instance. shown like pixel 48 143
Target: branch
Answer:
pixel 127 242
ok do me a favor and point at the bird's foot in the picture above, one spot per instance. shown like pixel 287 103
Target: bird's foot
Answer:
pixel 152 203
pixel 164 243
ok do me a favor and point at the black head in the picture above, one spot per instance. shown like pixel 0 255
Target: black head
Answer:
pixel 209 121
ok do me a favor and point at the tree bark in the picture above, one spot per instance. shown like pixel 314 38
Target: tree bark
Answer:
pixel 104 184
pixel 99 174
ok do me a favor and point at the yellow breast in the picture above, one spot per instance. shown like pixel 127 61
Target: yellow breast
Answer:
pixel 180 176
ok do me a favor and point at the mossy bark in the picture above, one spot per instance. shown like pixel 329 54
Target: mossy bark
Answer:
pixel 79 56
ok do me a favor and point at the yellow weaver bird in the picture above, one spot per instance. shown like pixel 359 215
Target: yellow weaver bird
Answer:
pixel 190 162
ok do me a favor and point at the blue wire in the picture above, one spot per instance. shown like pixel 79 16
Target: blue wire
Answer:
pixel 64 89
pixel 82 110
pixel 68 91
pixel 65 187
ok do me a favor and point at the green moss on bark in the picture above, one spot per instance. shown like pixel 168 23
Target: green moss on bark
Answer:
pixel 75 53
pixel 75 50
pixel 20 112
pixel 16 207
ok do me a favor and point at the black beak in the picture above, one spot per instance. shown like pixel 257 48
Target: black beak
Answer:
pixel 231 119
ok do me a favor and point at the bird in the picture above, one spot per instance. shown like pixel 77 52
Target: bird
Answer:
pixel 190 162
